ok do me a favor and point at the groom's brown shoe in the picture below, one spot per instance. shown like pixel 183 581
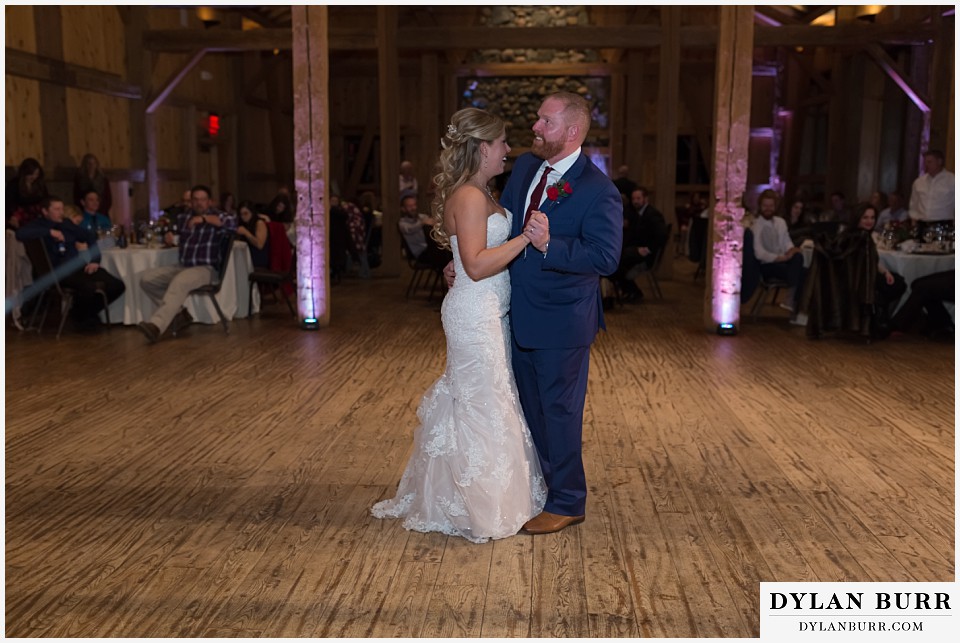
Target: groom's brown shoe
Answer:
pixel 547 523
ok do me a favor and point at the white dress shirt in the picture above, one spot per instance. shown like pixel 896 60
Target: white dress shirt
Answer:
pixel 770 238
pixel 932 197
pixel 559 169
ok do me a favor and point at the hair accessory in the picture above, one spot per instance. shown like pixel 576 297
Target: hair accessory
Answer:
pixel 451 130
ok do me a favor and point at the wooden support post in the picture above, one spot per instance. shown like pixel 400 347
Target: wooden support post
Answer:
pixel 138 74
pixel 941 84
pixel 53 96
pixel 279 132
pixel 430 126
pixel 668 102
pixel 618 110
pixel 733 87
pixel 311 134
pixel 389 92
pixel 174 80
pixel 871 133
pixel 633 155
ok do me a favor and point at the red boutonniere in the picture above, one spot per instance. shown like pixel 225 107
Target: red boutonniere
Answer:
pixel 559 190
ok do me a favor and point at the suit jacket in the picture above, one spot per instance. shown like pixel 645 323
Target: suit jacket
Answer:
pixel 555 300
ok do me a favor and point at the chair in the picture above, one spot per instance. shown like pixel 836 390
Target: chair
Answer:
pixel 419 268
pixel 45 278
pixel 651 272
pixel 751 279
pixel 282 273
pixel 765 286
pixel 212 290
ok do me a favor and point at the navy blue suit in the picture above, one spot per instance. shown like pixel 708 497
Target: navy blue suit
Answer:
pixel 555 313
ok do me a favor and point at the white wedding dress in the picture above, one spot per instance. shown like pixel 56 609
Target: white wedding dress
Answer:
pixel 474 470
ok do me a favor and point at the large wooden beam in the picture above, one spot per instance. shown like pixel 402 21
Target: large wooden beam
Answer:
pixel 892 69
pixel 587 37
pixel 668 103
pixel 135 21
pixel 388 89
pixel 734 82
pixel 50 70
pixel 174 80
pixel 311 134
pixel 941 84
pixel 633 155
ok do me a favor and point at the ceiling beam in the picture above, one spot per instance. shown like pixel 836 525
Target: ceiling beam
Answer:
pixel 892 69
pixel 592 37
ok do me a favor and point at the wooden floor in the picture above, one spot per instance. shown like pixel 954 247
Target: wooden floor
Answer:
pixel 220 486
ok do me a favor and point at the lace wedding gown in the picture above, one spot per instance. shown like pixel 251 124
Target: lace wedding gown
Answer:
pixel 474 470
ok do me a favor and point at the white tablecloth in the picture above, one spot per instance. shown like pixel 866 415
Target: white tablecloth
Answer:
pixel 19 273
pixel 134 306
pixel 913 266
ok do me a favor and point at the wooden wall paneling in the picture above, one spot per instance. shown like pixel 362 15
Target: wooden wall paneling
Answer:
pixel 279 130
pixel 871 135
pixel 942 66
pixel 732 137
pixel 618 122
pixel 311 83
pixel 431 126
pixel 189 118
pixel 98 124
pixel 668 100
pixel 23 125
pixel 21 33
pixel 633 154
pixel 388 90
pixel 93 36
pixel 53 113
pixel 351 185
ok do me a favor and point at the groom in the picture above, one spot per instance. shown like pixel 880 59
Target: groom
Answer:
pixel 555 306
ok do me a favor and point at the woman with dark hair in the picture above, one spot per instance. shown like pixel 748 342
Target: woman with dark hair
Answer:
pixel 228 203
pixel 25 193
pixel 254 230
pixel 890 285
pixel 89 177
pixel 280 209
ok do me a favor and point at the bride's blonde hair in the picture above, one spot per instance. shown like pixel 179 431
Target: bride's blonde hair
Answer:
pixel 460 158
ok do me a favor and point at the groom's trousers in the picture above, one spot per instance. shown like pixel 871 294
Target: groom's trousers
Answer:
pixel 553 387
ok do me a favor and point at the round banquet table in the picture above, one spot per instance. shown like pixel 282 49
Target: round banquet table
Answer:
pixel 135 306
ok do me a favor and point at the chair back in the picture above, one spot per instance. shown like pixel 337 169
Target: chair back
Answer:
pixel 281 249
pixel 662 250
pixel 405 248
pixel 226 249
pixel 36 251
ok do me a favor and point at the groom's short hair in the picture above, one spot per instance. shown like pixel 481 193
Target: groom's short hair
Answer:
pixel 576 110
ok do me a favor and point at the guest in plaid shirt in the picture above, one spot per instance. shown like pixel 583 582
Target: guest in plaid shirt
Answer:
pixel 169 286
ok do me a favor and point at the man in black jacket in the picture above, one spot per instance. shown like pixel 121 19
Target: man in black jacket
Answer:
pixel 644 236
pixel 75 257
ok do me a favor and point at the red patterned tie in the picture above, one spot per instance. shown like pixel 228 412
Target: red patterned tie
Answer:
pixel 537 195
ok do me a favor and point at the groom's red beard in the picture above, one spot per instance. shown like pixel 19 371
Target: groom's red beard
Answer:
pixel 546 149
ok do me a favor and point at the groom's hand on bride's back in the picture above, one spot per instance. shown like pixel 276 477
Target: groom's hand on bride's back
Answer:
pixel 449 274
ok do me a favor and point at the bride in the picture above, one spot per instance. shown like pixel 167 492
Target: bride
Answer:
pixel 474 471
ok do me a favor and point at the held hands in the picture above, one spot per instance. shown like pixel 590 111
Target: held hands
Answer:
pixel 91 268
pixel 56 234
pixel 538 230
pixel 197 220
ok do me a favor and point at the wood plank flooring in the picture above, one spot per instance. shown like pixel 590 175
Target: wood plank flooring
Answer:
pixel 219 485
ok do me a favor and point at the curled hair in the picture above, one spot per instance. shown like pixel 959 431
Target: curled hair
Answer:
pixel 460 159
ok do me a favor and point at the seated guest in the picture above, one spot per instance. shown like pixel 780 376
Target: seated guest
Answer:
pixel 838 210
pixel 624 185
pixel 252 229
pixel 73 214
pixel 779 258
pixel 408 182
pixel 890 286
pixel 894 212
pixel 228 203
pixel 644 235
pixel 89 177
pixel 416 229
pixel 169 286
pixel 92 219
pixel 25 193
pixel 927 295
pixel 74 251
